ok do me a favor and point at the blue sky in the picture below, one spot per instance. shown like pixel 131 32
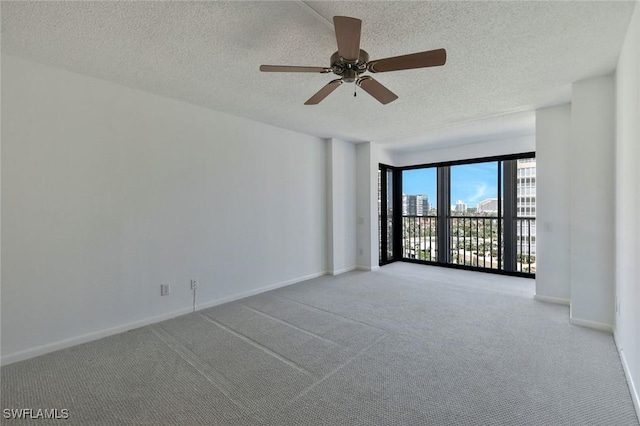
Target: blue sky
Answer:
pixel 470 183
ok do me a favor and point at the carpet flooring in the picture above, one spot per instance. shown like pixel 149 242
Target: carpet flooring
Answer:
pixel 404 345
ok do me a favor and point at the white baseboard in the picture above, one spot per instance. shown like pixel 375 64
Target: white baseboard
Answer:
pixel 549 299
pixel 591 324
pixel 88 337
pixel 244 294
pixel 95 335
pixel 632 387
pixel 367 268
pixel 343 270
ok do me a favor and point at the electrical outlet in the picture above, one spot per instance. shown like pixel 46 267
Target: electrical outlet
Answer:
pixel 194 283
pixel 165 289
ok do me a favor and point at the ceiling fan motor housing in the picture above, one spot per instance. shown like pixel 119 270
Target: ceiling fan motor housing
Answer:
pixel 349 70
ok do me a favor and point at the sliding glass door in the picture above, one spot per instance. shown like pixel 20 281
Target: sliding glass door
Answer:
pixel 420 214
pixel 474 219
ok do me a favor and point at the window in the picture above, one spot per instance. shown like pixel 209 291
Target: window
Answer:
pixel 387 206
pixel 477 214
pixel 474 216
pixel 525 219
pixel 419 214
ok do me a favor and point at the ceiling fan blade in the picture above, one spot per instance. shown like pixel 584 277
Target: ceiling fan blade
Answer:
pixel 377 90
pixel 324 92
pixel 286 68
pixel 348 37
pixel 431 58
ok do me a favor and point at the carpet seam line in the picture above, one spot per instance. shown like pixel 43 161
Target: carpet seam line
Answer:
pixel 252 342
pixel 334 371
pixel 159 334
pixel 292 326
pixel 333 313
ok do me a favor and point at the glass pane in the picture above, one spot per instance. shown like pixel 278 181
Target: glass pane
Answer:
pixel 389 214
pixel 419 214
pixel 526 216
pixel 474 227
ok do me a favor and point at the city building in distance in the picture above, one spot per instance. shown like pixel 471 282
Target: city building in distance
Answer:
pixel 526 206
pixel 490 205
pixel 460 207
pixel 415 205
pixel 527 187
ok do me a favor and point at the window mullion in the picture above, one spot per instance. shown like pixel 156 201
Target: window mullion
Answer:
pixel 509 217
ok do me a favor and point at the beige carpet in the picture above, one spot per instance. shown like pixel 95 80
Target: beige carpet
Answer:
pixel 405 345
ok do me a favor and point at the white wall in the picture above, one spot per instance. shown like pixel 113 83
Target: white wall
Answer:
pixel 627 176
pixel 553 138
pixel 0 208
pixel 107 192
pixel 367 159
pixel 592 202
pixel 385 156
pixel 465 152
pixel 341 206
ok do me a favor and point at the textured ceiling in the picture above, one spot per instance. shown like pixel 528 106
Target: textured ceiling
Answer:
pixel 503 57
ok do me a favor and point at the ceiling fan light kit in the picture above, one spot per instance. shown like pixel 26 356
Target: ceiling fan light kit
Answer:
pixel 350 62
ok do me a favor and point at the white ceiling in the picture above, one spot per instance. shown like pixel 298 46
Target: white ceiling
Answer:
pixel 502 58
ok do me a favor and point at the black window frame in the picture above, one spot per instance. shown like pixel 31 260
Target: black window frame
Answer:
pixel 383 217
pixel 507 180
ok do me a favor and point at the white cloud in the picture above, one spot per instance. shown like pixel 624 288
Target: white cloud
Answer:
pixel 479 194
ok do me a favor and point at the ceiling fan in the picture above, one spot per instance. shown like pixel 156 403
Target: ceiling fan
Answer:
pixel 349 62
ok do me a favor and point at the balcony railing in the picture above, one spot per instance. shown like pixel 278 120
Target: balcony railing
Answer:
pixel 420 237
pixel 476 241
pixel 526 244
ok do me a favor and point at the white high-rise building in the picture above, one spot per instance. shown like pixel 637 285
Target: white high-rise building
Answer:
pixel 490 205
pixel 422 205
pixel 461 207
pixel 526 206
pixel 415 205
